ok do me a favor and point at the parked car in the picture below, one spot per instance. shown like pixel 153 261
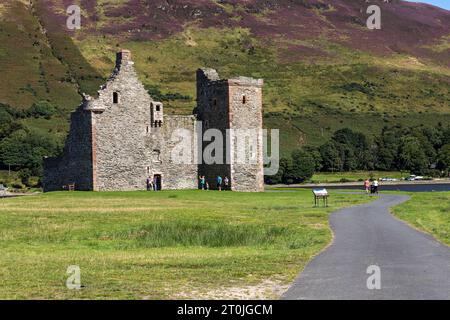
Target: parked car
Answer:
pixel 389 179
pixel 3 189
pixel 413 177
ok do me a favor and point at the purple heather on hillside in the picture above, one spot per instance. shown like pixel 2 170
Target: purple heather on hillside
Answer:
pixel 407 27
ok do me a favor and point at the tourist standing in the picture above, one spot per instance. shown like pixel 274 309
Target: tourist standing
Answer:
pixel 149 184
pixel 367 186
pixel 202 182
pixel 219 183
pixel 375 186
pixel 226 182
pixel 155 183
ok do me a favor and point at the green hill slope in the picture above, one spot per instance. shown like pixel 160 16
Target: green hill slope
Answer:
pixel 322 68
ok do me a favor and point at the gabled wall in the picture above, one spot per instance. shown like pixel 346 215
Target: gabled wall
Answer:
pixel 112 144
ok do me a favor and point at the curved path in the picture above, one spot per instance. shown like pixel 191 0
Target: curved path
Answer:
pixel 412 264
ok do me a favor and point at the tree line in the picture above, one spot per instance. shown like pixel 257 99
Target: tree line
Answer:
pixel 422 150
pixel 22 148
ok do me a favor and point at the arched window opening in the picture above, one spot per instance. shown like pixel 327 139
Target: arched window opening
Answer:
pixel 244 99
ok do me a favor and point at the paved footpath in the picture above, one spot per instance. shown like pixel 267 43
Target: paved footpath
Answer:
pixel 412 264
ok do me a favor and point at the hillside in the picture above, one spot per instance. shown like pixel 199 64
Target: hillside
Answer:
pixel 322 67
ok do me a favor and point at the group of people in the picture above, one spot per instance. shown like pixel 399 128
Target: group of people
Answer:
pixel 222 184
pixel 152 184
pixel 371 187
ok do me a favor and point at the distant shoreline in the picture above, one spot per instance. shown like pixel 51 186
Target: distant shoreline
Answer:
pixel 361 184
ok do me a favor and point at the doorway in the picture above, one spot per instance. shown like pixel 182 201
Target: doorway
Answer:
pixel 157 182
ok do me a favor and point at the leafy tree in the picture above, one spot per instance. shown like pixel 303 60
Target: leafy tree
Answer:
pixel 348 158
pixel 278 178
pixel 353 148
pixel 429 140
pixel 42 109
pixel 287 177
pixel 446 136
pixel 26 149
pixel 25 175
pixel 331 158
pixel 411 155
pixel 296 169
pixel 443 158
pixel 315 154
pixel 6 121
pixel 385 151
pixel 303 166
pixel 434 136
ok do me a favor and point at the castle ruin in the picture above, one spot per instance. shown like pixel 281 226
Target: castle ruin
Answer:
pixel 120 139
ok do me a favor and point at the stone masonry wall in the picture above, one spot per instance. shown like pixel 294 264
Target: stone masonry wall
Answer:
pixel 75 166
pixel 245 96
pixel 213 111
pixel 176 174
pixel 232 104
pixel 113 145
pixel 127 143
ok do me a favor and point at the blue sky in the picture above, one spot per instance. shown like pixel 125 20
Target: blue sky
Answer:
pixel 440 3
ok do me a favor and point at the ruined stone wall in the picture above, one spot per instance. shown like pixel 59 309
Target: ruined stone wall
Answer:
pixel 176 142
pixel 120 128
pixel 128 148
pixel 75 165
pixel 114 145
pixel 232 104
pixel 213 111
pixel 245 96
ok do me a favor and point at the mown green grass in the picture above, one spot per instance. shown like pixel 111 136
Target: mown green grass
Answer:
pixel 171 244
pixel 429 212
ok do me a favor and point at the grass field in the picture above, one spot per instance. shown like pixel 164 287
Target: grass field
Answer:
pixel 322 177
pixel 171 244
pixel 429 212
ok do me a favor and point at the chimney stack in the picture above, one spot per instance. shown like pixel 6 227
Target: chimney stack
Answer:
pixel 123 57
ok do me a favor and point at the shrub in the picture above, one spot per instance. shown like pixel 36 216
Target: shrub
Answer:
pixel 25 175
pixel 42 109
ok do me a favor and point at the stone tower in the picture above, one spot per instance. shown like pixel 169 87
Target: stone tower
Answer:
pixel 234 107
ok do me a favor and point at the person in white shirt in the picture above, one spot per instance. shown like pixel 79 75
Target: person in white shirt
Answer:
pixel 375 186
